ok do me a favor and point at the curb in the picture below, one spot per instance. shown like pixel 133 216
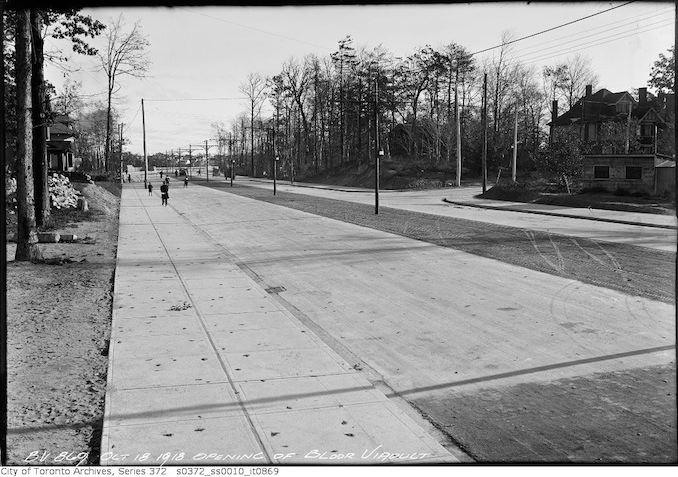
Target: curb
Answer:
pixel 297 184
pixel 301 184
pixel 555 214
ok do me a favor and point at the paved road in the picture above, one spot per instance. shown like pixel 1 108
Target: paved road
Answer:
pixel 431 202
pixel 207 367
pixel 430 322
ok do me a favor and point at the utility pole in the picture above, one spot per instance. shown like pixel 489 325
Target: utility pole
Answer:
pixel 515 146
pixel 275 163
pixel 143 125
pixel 190 162
pixel 121 173
pixel 457 116
pixel 276 158
pixel 484 158
pixel 179 158
pixel 252 141
pixel 377 151
pixel 207 162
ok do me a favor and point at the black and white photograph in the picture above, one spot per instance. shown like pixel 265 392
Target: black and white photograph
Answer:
pixel 292 238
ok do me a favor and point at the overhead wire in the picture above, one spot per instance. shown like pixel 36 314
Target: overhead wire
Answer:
pixel 539 56
pixel 196 99
pixel 598 42
pixel 551 29
pixel 260 30
pixel 568 39
pixel 531 55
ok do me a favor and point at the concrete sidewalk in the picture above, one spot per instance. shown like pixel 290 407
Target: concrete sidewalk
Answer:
pixel 207 368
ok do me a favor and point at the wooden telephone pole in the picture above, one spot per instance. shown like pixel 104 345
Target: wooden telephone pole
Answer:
pixel 143 125
pixel 484 158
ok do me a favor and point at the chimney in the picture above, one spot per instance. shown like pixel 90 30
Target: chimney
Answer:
pixel 554 116
pixel 642 95
pixel 589 90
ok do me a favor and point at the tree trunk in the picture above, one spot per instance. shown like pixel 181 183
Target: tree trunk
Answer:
pixel 40 182
pixel 107 147
pixel 27 235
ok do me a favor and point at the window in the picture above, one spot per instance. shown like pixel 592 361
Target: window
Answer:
pixel 623 107
pixel 634 172
pixel 601 172
pixel 647 130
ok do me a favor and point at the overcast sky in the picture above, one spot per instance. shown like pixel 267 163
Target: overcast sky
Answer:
pixel 206 52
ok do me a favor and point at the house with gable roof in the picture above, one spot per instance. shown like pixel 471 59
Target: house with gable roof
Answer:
pixel 625 139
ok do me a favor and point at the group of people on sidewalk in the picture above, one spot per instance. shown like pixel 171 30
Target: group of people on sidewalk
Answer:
pixel 164 188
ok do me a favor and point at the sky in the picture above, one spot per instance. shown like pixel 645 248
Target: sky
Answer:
pixel 207 52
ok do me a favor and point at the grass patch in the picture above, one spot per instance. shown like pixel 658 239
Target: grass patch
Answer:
pixel 593 198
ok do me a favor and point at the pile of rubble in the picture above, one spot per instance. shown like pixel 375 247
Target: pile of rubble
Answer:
pixel 61 192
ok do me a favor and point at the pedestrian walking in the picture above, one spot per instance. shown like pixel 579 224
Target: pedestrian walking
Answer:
pixel 161 174
pixel 176 173
pixel 185 181
pixel 167 180
pixel 129 178
pixel 150 189
pixel 164 190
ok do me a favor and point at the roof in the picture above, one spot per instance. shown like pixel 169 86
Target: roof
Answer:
pixel 61 125
pixel 60 128
pixel 601 106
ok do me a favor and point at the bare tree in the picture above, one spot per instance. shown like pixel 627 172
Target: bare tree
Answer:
pixel 124 55
pixel 504 77
pixel 27 236
pixel 69 102
pixel 578 74
pixel 254 88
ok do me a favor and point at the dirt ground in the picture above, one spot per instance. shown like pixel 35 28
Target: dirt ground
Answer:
pixel 58 329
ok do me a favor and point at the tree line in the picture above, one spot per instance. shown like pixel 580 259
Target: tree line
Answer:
pixel 324 109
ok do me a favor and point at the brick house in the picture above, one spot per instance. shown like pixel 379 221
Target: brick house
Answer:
pixel 626 139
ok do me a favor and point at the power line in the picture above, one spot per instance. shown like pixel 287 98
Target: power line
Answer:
pixel 568 39
pixel 599 41
pixel 531 59
pixel 550 29
pixel 256 29
pixel 197 99
pixel 135 115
